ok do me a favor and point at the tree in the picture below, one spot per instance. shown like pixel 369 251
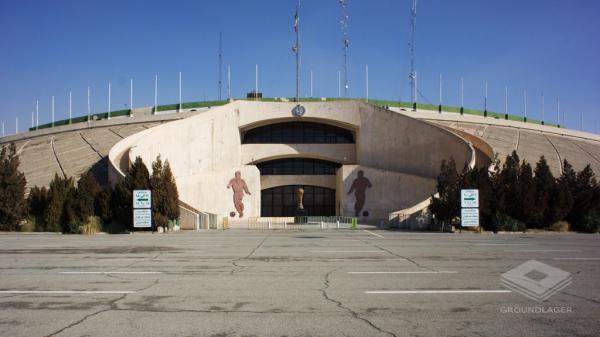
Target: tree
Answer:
pixel 102 204
pixel 585 197
pixel 446 206
pixel 38 201
pixel 506 185
pixel 13 206
pixel 79 205
pixel 523 208
pixel 137 178
pixel 165 198
pixel 545 185
pixel 55 217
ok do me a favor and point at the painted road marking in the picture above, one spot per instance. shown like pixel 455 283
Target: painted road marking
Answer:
pixel 543 250
pixel 377 235
pixel 110 272
pixel 438 292
pixel 501 244
pixel 577 258
pixel 347 251
pixel 403 272
pixel 68 292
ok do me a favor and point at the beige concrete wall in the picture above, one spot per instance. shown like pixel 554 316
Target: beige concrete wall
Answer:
pixel 269 181
pixel 384 140
pixel 340 153
pixel 208 191
pixel 390 191
pixel 205 150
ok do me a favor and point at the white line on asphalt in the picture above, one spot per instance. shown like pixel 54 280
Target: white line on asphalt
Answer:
pixel 347 251
pixel 52 292
pixel 438 292
pixel 500 244
pixel 110 272
pixel 377 235
pixel 404 272
pixel 576 258
pixel 543 250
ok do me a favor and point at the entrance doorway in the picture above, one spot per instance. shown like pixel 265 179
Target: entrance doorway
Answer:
pixel 282 201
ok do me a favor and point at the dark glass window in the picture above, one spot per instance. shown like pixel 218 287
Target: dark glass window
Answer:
pixel 298 166
pixel 298 133
pixel 282 201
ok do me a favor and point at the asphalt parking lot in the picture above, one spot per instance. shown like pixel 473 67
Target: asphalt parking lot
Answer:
pixel 292 283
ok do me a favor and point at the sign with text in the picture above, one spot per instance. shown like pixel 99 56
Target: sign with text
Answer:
pixel 469 217
pixel 469 198
pixel 142 199
pixel 142 218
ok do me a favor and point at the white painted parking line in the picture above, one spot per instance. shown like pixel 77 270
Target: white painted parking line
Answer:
pixel 110 272
pixel 377 235
pixel 577 258
pixel 501 244
pixel 544 250
pixel 68 292
pixel 438 292
pixel 404 272
pixel 347 251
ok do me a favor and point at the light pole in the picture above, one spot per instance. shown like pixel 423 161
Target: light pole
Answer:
pixel 70 107
pixel 440 106
pixel 131 97
pixel 109 100
pixel 155 94
pixel 180 91
pixel 52 111
pixel 462 96
pixel 525 105
pixel 367 81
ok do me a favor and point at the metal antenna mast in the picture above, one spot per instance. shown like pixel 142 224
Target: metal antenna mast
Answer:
pixel 296 50
pixel 220 62
pixel 413 74
pixel 344 24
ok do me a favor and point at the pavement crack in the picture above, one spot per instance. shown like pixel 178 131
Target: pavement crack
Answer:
pixel 397 255
pixel 348 309
pixel 234 262
pixel 112 306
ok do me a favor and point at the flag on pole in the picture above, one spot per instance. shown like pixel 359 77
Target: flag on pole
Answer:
pixel 296 22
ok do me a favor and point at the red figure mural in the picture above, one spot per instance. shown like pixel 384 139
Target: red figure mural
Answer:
pixel 239 187
pixel 359 187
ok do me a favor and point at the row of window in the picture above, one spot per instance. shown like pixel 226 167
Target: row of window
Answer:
pixel 298 133
pixel 298 166
pixel 282 201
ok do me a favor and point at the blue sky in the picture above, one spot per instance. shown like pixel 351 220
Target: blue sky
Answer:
pixel 53 47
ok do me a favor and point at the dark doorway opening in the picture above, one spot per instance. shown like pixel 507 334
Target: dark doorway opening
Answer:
pixel 282 201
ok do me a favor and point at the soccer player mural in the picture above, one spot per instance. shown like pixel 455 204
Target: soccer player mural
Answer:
pixel 239 187
pixel 359 187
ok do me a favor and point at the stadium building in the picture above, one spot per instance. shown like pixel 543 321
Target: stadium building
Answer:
pixel 247 158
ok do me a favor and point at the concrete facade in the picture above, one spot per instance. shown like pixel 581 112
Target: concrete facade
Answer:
pixel 398 154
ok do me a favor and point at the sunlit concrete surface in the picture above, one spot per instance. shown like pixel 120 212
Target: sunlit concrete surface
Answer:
pixel 290 283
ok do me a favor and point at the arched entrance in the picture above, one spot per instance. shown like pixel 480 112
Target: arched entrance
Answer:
pixel 282 200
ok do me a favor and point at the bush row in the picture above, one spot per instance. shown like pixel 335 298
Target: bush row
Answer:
pixel 514 196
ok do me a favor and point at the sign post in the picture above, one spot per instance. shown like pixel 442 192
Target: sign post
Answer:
pixel 469 203
pixel 142 209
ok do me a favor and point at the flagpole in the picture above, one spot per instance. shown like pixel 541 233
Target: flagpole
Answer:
pixel 88 106
pixel 131 97
pixel 108 100
pixel 52 111
pixel 37 114
pixel 70 107
pixel 297 49
pixel 155 93
pixel 228 82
